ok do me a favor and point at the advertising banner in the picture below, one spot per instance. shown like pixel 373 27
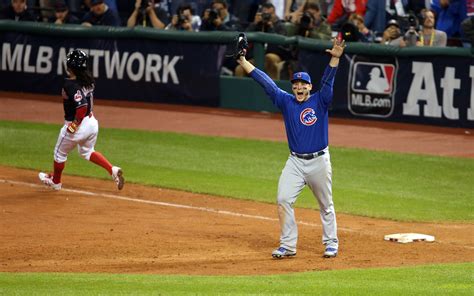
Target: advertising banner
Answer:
pixel 429 90
pixel 125 69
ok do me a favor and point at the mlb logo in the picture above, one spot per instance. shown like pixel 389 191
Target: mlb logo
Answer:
pixel 374 78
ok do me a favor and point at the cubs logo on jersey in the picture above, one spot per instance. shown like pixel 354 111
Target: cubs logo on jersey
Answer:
pixel 372 86
pixel 308 116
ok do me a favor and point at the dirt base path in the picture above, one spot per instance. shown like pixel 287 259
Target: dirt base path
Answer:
pixel 91 227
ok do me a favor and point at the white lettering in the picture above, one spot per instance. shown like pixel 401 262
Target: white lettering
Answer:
pixel 153 66
pixel 27 68
pixel 168 69
pixel 43 63
pixel 8 60
pixel 449 83
pixel 368 101
pixel 141 66
pixel 61 61
pixel 95 54
pixel 115 64
pixel 470 111
pixel 423 73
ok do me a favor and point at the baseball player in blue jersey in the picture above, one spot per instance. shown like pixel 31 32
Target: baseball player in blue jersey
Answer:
pixel 306 123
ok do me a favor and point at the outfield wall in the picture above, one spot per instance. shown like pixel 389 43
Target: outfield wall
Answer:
pixel 417 85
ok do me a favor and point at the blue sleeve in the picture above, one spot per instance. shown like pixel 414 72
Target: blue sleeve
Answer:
pixel 370 13
pixel 327 82
pixel 269 86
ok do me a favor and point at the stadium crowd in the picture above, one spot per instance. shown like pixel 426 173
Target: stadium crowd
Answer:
pixel 400 23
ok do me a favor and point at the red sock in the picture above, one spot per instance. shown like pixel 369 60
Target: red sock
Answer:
pixel 99 159
pixel 58 170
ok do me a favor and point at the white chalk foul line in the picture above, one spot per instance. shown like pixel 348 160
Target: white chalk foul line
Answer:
pixel 165 204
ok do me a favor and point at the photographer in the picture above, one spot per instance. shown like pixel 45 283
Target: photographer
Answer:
pixel 184 20
pixel 218 18
pixel 429 36
pixel 412 37
pixel 267 21
pixel 311 23
pixel 148 14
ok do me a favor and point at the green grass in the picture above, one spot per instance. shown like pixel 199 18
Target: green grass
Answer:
pixel 368 183
pixel 446 279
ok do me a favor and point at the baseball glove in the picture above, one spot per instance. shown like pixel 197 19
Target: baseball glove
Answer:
pixel 240 46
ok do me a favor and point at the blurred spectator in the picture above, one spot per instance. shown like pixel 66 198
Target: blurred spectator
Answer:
pixel 62 15
pixel 416 6
pixel 326 7
pixel 185 19
pixel 376 16
pixel 267 21
pixel 356 27
pixel 148 14
pixel 470 7
pixel 450 14
pixel 294 9
pixel 392 34
pixel 468 29
pixel 111 4
pixel 101 15
pixel 245 10
pixel 429 36
pixel 82 7
pixel 45 8
pixel 379 11
pixel 343 9
pixel 198 6
pixel 218 18
pixel 17 10
pixel 310 23
pixel 280 6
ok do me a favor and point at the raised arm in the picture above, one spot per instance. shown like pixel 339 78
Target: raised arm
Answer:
pixel 327 81
pixel 271 89
pixel 336 51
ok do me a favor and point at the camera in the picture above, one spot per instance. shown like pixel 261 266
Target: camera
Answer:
pixel 349 32
pixel 411 36
pixel 213 15
pixel 181 20
pixel 412 21
pixel 266 17
pixel 144 5
pixel 306 21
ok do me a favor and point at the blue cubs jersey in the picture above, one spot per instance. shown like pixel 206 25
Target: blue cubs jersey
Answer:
pixel 306 123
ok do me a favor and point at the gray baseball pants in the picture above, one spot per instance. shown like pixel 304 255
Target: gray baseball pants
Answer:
pixel 317 174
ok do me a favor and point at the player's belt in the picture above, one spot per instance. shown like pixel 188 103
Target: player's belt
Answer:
pixel 308 156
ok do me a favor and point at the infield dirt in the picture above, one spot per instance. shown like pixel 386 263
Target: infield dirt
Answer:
pixel 91 227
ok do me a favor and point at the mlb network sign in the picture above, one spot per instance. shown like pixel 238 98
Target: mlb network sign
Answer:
pixel 371 89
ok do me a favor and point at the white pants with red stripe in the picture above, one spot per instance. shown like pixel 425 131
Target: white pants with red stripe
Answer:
pixel 84 138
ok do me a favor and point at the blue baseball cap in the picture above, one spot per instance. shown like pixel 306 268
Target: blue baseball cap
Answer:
pixel 301 76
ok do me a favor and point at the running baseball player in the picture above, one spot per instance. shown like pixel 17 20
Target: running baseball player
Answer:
pixel 80 126
pixel 306 123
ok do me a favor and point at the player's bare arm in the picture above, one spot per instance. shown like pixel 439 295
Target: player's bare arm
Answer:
pixel 248 67
pixel 336 51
